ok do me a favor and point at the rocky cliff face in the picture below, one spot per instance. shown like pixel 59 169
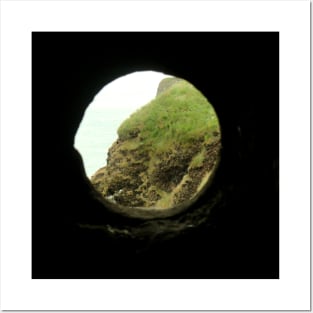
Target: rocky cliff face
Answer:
pixel 166 83
pixel 141 174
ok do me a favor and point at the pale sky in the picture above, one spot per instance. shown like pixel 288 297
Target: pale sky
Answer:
pixel 129 92
pixel 111 106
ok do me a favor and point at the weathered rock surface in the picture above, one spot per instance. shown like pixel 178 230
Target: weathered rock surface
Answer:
pixel 138 175
pixel 166 83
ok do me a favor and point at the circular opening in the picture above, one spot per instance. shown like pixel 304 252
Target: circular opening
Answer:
pixel 150 144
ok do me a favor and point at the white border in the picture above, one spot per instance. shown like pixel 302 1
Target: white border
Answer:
pixel 19 19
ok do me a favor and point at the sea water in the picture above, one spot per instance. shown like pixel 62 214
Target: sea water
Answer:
pixel 96 134
pixel 111 106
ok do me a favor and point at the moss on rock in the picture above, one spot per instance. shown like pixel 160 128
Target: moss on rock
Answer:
pixel 165 150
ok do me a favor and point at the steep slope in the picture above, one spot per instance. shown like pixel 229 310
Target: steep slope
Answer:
pixel 166 151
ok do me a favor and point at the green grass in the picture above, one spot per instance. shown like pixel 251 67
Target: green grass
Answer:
pixel 179 115
pixel 198 159
pixel 166 200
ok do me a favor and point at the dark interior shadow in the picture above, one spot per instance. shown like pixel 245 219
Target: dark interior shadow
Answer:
pixel 235 230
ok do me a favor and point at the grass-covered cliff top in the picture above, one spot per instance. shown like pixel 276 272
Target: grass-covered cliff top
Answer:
pixel 166 153
pixel 179 114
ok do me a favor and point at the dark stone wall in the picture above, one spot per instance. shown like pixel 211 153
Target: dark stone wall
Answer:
pixel 239 74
